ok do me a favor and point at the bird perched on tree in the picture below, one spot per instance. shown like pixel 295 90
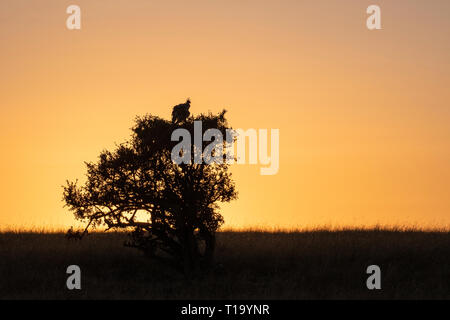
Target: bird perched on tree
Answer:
pixel 181 112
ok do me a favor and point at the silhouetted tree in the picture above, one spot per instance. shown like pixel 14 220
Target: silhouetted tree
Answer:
pixel 180 201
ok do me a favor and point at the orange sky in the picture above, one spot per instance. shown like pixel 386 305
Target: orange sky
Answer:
pixel 364 116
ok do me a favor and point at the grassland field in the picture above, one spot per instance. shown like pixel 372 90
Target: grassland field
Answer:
pixel 316 264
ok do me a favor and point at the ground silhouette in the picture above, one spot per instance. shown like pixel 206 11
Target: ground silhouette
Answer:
pixel 318 264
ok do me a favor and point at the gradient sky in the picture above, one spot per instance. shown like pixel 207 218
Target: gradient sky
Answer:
pixel 364 116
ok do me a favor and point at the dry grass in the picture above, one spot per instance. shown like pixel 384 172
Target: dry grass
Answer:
pixel 256 264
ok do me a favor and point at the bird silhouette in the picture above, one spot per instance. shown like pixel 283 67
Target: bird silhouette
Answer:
pixel 181 112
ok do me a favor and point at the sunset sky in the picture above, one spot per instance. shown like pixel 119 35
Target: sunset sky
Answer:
pixel 364 116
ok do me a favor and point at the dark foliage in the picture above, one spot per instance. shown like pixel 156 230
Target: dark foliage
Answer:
pixel 139 178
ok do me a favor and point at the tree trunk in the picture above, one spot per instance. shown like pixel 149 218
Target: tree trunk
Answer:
pixel 190 254
pixel 210 246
